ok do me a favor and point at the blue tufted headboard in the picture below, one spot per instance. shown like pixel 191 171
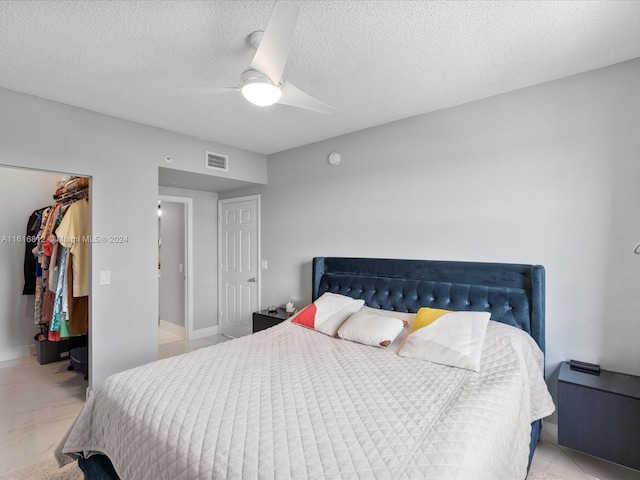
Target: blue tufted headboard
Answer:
pixel 513 293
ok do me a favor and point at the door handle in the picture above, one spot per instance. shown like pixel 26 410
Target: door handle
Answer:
pixel 252 280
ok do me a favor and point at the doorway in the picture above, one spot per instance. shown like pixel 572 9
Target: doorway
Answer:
pixel 45 254
pixel 174 269
pixel 175 321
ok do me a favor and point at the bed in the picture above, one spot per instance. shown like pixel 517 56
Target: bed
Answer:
pixel 290 402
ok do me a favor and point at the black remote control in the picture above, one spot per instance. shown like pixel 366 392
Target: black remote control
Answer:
pixel 584 367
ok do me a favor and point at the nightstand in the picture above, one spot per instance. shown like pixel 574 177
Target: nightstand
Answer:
pixel 263 319
pixel 600 414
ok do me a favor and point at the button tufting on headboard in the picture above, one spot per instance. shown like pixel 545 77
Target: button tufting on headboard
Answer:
pixel 514 294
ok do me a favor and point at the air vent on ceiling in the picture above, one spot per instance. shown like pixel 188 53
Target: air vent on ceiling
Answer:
pixel 217 161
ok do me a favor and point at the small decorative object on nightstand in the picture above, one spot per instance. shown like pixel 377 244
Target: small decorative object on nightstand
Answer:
pixel 600 414
pixel 265 319
pixel 289 308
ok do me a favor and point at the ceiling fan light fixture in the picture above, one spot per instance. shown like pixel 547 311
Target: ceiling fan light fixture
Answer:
pixel 261 94
pixel 258 89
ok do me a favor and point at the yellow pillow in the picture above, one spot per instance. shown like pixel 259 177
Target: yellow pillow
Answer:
pixel 455 339
pixel 426 316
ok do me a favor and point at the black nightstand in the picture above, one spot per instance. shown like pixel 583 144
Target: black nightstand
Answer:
pixel 263 319
pixel 600 414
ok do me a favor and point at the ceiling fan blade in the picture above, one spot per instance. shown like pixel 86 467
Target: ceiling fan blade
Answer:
pixel 295 97
pixel 273 51
pixel 193 91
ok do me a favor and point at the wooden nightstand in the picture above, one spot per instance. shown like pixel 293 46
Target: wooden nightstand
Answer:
pixel 600 414
pixel 263 319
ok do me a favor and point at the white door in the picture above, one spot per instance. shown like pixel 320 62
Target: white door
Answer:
pixel 239 275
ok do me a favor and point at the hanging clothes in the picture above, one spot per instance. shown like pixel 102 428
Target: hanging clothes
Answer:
pixel 29 259
pixel 78 311
pixel 73 233
pixel 38 280
pixel 57 267
pixel 44 249
pixel 48 299
pixel 60 306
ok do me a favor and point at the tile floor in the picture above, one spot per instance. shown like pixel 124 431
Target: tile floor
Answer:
pixel 37 406
pixel 178 348
pixel 568 464
pixel 164 337
pixel 39 402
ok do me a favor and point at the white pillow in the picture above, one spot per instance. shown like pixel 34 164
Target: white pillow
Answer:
pixel 327 313
pixel 406 317
pixel 371 328
pixel 453 338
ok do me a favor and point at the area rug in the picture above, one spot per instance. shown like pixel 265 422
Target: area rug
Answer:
pixel 47 470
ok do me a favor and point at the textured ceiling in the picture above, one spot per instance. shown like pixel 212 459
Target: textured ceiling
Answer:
pixel 375 61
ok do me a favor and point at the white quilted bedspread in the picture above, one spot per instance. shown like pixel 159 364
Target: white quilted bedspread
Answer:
pixel 292 403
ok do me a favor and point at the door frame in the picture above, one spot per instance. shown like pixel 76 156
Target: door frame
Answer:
pixel 258 241
pixel 188 254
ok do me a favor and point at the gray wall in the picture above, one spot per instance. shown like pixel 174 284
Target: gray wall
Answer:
pixel 548 174
pixel 205 254
pixel 21 192
pixel 122 158
pixel 172 279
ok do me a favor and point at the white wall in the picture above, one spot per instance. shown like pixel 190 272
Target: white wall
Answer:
pixel 205 254
pixel 548 175
pixel 172 277
pixel 123 159
pixel 21 192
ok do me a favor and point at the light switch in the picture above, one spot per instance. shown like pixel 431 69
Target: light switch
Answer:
pixel 105 277
pixel 181 268
pixel 264 264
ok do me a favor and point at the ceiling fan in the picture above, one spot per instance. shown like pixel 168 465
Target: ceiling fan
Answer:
pixel 262 83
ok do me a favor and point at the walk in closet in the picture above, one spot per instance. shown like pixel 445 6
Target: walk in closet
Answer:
pixel 54 249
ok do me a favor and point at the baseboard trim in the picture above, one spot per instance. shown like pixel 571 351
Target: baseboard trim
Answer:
pixel 204 332
pixel 15 353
